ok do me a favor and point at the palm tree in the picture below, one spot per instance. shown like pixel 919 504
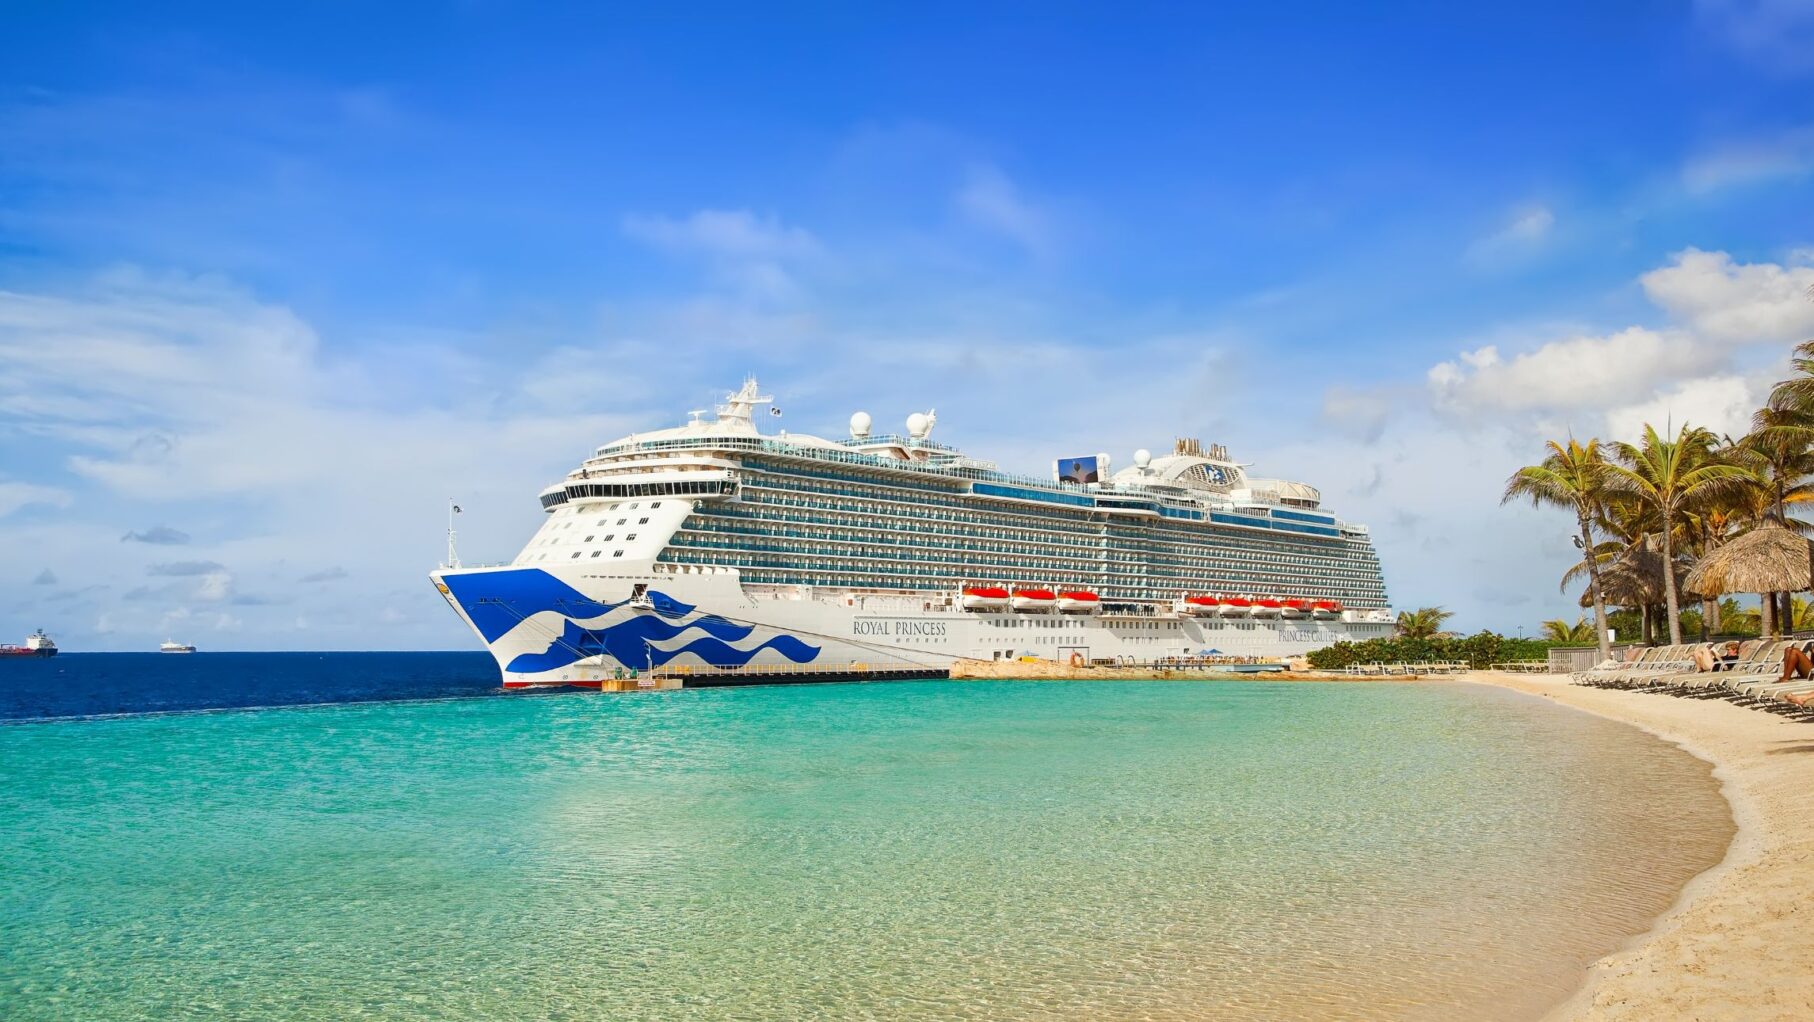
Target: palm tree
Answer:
pixel 1778 450
pixel 1741 619
pixel 1798 391
pixel 1561 631
pixel 1668 475
pixel 1801 615
pixel 1573 477
pixel 1422 623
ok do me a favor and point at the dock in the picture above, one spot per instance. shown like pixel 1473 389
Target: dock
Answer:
pixel 962 669
pixel 799 674
pixel 1053 670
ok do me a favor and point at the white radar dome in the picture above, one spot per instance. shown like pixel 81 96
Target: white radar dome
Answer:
pixel 859 424
pixel 917 425
pixel 1143 457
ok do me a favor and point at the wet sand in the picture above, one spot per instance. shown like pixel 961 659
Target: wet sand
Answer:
pixel 1739 945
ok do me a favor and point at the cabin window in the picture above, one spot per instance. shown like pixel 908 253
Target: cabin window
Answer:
pixel 617 553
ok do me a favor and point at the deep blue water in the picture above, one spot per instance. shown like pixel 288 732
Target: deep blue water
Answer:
pixel 93 684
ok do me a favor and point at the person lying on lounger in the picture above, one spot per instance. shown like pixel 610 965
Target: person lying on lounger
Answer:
pixel 1714 657
pixel 1797 663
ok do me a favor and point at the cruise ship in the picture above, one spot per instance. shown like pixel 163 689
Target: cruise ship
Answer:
pixel 715 549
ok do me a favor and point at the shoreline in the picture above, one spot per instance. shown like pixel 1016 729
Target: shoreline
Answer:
pixel 1739 941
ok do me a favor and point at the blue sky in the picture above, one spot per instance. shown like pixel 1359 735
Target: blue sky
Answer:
pixel 274 284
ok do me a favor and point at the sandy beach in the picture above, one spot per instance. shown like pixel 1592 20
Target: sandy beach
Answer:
pixel 1739 945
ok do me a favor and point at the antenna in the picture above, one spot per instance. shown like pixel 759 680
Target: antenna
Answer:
pixel 453 556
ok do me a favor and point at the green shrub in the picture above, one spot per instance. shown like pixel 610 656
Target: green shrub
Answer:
pixel 1480 650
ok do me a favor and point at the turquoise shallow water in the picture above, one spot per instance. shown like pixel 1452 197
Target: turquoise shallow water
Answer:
pixel 918 851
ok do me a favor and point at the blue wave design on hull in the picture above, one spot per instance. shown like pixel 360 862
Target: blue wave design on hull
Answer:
pixel 498 601
pixel 630 643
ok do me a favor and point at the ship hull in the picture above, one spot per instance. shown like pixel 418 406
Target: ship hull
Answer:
pixel 553 627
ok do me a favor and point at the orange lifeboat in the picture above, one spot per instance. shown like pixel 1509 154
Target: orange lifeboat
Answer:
pixel 1077 601
pixel 1295 608
pixel 1326 609
pixel 984 598
pixel 1235 606
pixel 1033 599
pixel 1267 607
pixel 1200 605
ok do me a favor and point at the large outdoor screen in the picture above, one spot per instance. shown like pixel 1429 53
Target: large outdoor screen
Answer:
pixel 1077 470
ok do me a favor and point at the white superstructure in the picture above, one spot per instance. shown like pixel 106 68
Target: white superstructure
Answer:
pixel 714 546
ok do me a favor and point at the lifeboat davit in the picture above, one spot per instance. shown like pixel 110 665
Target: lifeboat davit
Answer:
pixel 1326 609
pixel 1200 605
pixel 984 598
pixel 1295 608
pixel 1235 606
pixel 1077 601
pixel 1267 608
pixel 1034 599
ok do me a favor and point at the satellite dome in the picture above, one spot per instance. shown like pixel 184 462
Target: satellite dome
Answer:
pixel 1143 457
pixel 859 424
pixel 917 425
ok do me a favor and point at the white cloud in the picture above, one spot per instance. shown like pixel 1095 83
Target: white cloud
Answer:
pixel 1523 232
pixel 735 233
pixel 1735 164
pixel 16 495
pixel 1723 404
pixel 1727 302
pixel 1571 373
pixel 187 399
pixel 1362 413
pixel 749 256
pixel 215 587
pixel 1718 308
pixel 991 200
pixel 1776 34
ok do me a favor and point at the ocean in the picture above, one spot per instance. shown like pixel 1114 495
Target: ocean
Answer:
pixel 99 684
pixel 403 842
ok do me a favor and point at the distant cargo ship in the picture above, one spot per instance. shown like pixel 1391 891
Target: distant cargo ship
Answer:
pixel 174 647
pixel 36 644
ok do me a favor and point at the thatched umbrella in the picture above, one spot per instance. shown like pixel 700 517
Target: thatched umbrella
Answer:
pixel 1771 559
